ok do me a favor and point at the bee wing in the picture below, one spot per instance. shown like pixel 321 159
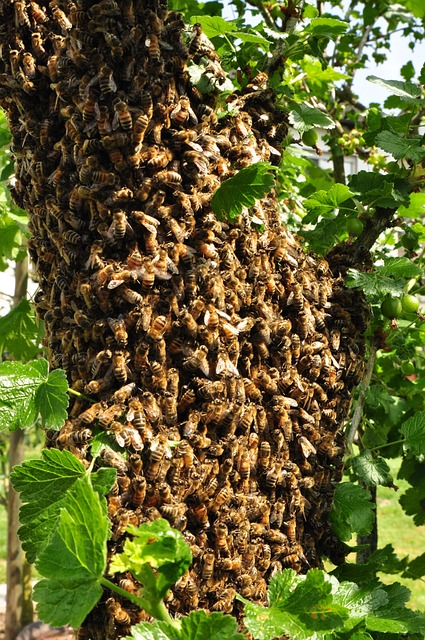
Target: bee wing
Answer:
pixel 223 315
pixel 245 325
pixel 115 121
pixel 130 415
pixel 171 266
pixel 230 328
pixel 306 446
pixel 113 284
pixel 150 227
pixel 162 275
pixel 205 368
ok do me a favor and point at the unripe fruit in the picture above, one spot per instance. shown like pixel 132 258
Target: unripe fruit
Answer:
pixel 407 368
pixel 354 226
pixel 310 138
pixel 391 307
pixel 409 303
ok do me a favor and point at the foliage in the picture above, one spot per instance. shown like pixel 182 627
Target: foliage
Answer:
pixel 312 68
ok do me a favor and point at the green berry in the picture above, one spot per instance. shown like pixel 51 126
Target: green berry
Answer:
pixel 409 303
pixel 354 226
pixel 310 138
pixel 407 368
pixel 391 307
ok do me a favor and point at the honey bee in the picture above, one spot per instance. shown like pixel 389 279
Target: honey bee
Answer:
pixel 187 399
pixel 198 360
pixel 89 415
pixel 169 406
pixel 151 407
pixel 118 328
pixel 101 358
pixel 113 459
pixel 157 328
pixel 121 616
pixel 139 129
pixel 90 110
pixel 158 451
pixel 200 513
pixel 154 51
pixel 82 436
pixel 208 560
pixel 226 600
pixel 222 497
pixel 169 178
pixel 122 115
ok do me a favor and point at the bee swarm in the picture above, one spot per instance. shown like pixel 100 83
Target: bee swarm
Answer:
pixel 220 357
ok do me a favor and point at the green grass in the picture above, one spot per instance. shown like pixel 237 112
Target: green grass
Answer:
pixel 398 529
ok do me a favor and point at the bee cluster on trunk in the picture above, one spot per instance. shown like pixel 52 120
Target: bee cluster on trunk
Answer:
pixel 220 357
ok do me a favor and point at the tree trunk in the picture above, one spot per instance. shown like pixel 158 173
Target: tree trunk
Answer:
pixel 220 356
pixel 18 600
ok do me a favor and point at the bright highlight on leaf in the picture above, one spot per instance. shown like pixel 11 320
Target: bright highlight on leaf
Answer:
pixel 303 117
pixel 28 393
pixel 242 190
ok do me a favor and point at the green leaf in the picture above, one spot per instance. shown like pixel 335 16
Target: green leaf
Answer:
pixel 10 238
pixel 400 267
pixel 374 284
pixel 376 188
pixel 148 631
pixel 327 233
pixel 306 611
pixel 414 432
pixel 19 332
pixel 51 400
pixel 416 7
pixel 155 545
pixel 416 208
pixel 352 511
pixel 407 91
pixel 328 27
pixel 400 147
pixel 28 391
pixel 252 36
pixel 377 397
pixel 413 502
pixel 325 203
pixel 43 485
pixel 416 568
pixel 303 117
pixel 215 626
pixel 242 190
pixel 213 25
pixel 371 470
pixel 75 558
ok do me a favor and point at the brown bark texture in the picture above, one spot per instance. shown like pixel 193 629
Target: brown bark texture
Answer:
pixel 220 357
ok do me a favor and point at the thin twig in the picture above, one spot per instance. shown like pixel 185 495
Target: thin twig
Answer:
pixel 358 412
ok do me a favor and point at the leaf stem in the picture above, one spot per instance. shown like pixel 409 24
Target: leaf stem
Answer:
pixel 157 609
pixel 80 395
pixel 390 444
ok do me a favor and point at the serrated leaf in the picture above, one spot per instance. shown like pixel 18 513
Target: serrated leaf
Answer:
pixel 19 332
pixel 252 36
pixel 327 233
pixel 325 203
pixel 148 631
pixel 400 147
pixel 43 485
pixel 28 391
pixel 199 625
pixel 371 470
pixel 10 238
pixel 400 267
pixel 374 284
pixel 155 546
pixel 242 190
pixel 75 558
pixel 413 502
pixel 416 568
pixel 413 431
pixel 377 397
pixel 51 400
pixel 352 511
pixel 416 208
pixel 329 27
pixel 407 91
pixel 213 25
pixel 307 611
pixel 375 188
pixel 303 117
